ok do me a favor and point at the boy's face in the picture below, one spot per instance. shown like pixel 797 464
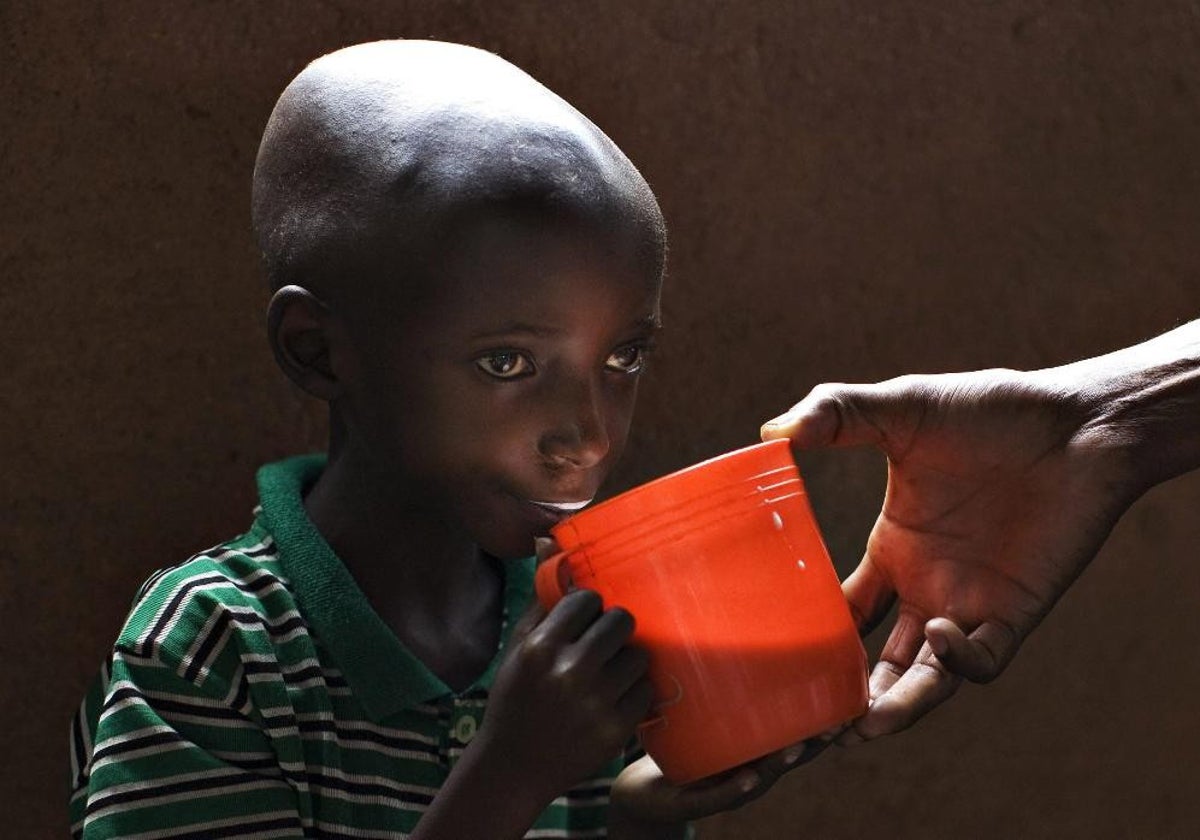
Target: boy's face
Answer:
pixel 513 384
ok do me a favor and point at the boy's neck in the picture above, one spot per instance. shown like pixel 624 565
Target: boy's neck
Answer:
pixel 369 524
pixel 436 589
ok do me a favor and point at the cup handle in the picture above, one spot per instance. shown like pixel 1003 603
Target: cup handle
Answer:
pixel 552 580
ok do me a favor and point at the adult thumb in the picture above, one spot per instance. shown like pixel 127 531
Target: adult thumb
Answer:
pixel 835 415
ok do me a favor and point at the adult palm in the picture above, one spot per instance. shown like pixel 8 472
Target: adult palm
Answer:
pixel 1002 486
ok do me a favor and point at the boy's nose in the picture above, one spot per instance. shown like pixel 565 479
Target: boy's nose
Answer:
pixel 580 439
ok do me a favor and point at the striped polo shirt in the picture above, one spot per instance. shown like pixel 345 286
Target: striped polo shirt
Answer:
pixel 254 692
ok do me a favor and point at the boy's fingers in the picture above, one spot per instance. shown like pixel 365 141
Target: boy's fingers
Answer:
pixel 528 620
pixel 626 668
pixel 569 619
pixel 606 635
pixel 635 703
pixel 544 548
pixel 980 657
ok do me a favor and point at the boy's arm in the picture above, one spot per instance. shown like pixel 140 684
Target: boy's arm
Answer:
pixel 139 768
pixel 566 699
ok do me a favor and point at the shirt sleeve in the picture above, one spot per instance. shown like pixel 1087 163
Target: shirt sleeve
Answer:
pixel 161 748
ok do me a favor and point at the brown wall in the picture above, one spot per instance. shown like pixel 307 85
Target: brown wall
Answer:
pixel 854 189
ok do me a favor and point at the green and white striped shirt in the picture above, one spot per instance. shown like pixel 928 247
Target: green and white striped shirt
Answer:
pixel 253 692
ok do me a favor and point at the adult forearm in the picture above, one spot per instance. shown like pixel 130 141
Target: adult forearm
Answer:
pixel 1145 402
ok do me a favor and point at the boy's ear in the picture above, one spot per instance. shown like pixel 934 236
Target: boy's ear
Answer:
pixel 298 327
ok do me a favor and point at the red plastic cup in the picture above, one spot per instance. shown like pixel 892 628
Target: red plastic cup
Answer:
pixel 752 647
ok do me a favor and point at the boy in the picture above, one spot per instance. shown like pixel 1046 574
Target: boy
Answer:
pixel 467 271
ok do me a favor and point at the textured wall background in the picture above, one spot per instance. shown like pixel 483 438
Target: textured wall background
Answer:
pixel 855 190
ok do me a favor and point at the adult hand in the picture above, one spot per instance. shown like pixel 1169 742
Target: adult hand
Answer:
pixel 645 804
pixel 1002 486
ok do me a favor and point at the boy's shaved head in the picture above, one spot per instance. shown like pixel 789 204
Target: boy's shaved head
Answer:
pixel 375 153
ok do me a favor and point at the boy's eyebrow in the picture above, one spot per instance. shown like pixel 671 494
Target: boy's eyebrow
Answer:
pixel 518 328
pixel 649 323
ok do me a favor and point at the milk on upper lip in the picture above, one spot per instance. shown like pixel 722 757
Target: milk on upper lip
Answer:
pixel 565 506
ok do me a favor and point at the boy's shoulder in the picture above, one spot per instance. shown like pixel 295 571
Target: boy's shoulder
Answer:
pixel 239 584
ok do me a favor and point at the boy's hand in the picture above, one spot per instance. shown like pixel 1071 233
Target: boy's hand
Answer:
pixel 644 803
pixel 568 696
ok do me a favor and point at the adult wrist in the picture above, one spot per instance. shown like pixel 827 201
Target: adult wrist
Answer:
pixel 1140 405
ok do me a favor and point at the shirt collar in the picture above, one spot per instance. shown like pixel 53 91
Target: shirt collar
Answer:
pixel 384 676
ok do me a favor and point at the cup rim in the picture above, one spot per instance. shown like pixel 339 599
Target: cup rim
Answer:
pixel 650 487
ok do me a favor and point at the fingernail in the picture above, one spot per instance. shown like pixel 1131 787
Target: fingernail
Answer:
pixel 748 782
pixel 938 645
pixel 776 421
pixel 792 754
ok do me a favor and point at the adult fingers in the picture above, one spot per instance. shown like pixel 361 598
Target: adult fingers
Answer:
pixel 980 657
pixel 920 688
pixel 833 414
pixel 895 660
pixel 869 595
pixel 906 638
pixel 741 785
pixel 771 767
pixel 720 793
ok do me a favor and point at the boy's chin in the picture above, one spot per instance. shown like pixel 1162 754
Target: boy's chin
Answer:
pixel 507 552
pixel 516 546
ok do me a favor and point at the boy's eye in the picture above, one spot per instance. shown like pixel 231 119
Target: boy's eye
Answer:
pixel 628 359
pixel 505 365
